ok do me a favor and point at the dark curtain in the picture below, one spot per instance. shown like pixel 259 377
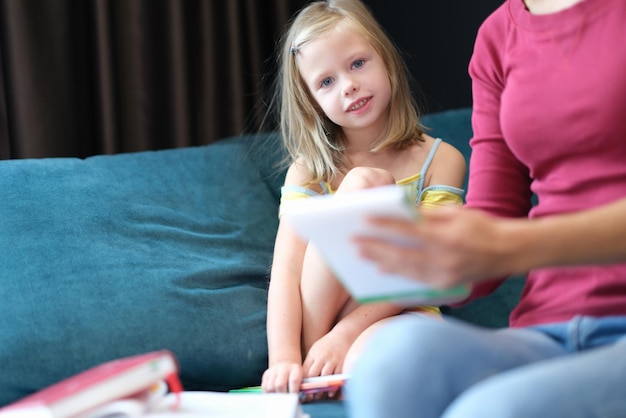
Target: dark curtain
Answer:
pixel 85 77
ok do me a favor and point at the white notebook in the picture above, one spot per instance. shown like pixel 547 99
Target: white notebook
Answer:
pixel 331 221
pixel 190 404
pixel 231 405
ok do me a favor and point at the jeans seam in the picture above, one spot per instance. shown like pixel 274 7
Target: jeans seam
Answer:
pixel 574 343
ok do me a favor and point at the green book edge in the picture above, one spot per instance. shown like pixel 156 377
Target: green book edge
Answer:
pixel 426 294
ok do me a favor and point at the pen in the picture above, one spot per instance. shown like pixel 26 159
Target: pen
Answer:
pixel 323 383
pixel 315 384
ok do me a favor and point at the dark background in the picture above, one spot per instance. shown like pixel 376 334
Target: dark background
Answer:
pixel 437 37
pixel 85 77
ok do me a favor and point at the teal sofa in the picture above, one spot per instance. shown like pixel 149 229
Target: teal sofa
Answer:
pixel 116 255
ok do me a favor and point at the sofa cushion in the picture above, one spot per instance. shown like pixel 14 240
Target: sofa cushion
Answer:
pixel 115 255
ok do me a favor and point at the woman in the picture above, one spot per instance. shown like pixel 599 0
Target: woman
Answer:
pixel 549 98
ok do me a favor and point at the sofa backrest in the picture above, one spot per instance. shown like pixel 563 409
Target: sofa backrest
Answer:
pixel 116 255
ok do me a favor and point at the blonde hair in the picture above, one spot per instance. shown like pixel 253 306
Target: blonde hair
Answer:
pixel 308 135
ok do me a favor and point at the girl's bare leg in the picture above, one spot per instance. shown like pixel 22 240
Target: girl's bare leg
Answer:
pixel 324 299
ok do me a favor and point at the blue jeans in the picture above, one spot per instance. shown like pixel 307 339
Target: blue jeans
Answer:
pixel 417 367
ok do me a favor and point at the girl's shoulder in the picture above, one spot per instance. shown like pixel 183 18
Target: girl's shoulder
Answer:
pixel 447 151
pixel 436 149
pixel 298 175
pixel 448 165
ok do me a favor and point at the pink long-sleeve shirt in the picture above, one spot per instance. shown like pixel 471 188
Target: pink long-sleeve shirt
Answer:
pixel 549 117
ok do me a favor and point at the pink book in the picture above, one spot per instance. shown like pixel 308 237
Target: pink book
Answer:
pixel 118 379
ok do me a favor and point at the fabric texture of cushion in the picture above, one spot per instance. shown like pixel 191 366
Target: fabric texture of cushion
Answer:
pixel 116 255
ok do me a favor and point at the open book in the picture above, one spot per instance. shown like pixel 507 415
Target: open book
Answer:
pixel 330 222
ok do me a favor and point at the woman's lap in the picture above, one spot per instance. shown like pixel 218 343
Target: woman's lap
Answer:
pixel 415 365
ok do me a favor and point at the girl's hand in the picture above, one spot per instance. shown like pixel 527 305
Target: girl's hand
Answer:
pixel 326 355
pixel 282 378
pixel 452 246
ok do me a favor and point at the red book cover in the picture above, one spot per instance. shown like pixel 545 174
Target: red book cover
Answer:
pixel 117 379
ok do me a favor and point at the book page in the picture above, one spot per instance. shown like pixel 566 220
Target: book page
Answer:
pixel 27 412
pixel 125 408
pixel 230 405
pixel 330 222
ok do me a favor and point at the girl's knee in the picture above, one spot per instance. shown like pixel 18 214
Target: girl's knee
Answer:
pixel 364 178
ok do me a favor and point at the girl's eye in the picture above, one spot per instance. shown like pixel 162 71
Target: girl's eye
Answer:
pixel 357 64
pixel 326 82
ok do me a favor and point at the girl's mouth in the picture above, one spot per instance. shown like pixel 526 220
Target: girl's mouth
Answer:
pixel 359 104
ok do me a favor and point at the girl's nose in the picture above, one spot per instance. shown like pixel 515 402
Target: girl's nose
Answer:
pixel 349 89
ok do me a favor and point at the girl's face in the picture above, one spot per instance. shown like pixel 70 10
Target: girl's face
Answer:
pixel 348 79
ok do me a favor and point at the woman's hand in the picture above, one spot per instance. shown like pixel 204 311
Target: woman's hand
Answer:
pixel 283 377
pixel 452 246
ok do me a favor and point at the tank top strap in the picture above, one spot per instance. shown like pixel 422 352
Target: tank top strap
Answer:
pixel 429 159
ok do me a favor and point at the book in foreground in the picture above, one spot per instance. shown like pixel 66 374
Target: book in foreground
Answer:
pixel 145 386
pixel 189 404
pixel 136 379
pixel 330 222
pixel 230 405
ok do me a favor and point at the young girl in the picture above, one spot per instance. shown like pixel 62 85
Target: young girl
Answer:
pixel 348 121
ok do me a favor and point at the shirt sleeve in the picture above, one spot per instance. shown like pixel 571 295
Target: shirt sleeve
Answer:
pixel 498 182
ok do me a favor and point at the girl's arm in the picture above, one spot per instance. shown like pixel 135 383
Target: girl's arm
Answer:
pixel 284 307
pixel 284 314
